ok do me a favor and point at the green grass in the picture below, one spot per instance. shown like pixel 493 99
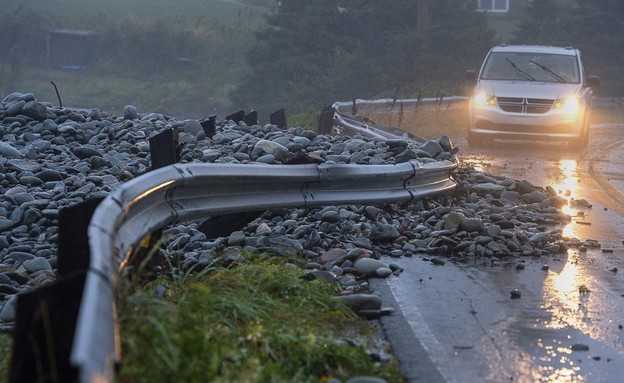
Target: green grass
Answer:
pixel 180 96
pixel 306 120
pixel 255 322
pixel 180 58
pixel 85 14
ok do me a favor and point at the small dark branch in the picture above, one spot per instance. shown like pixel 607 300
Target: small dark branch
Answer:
pixel 57 94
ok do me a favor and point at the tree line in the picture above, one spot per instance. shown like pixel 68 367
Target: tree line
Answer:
pixel 596 27
pixel 312 53
pixel 306 54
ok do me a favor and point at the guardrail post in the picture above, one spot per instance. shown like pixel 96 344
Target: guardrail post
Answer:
pixel 251 118
pixel 47 316
pixel 279 118
pixel 209 125
pixel 164 151
pixel 326 120
pixel 236 117
pixel 223 225
pixel 164 148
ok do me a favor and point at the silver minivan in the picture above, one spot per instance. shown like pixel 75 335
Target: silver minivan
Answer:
pixel 531 92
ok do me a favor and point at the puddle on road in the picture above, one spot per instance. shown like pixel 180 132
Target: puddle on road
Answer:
pixel 564 356
pixel 566 328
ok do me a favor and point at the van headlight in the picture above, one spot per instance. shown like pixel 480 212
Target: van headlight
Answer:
pixel 483 98
pixel 568 105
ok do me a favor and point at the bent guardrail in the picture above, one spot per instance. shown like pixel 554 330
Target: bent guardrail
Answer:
pixel 393 104
pixel 354 125
pixel 184 192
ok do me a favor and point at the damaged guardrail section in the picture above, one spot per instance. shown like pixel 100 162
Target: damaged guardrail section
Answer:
pixel 185 192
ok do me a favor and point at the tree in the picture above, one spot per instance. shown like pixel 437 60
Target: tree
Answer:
pixel 313 53
pixel 542 23
pixel 597 27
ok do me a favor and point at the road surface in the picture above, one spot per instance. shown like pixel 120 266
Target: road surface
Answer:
pixel 460 323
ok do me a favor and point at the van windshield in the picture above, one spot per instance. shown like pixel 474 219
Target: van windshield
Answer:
pixel 526 66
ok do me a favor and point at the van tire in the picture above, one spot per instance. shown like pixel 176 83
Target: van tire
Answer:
pixel 582 141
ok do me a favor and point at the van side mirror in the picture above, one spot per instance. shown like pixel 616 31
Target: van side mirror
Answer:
pixel 471 75
pixel 593 80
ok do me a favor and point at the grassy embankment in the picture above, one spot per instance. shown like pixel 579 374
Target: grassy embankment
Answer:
pixel 181 58
pixel 256 321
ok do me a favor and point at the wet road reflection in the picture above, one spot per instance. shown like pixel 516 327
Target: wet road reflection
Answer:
pixel 591 180
pixel 568 327
pixel 565 185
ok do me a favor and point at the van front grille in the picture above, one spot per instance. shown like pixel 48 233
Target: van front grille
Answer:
pixel 525 105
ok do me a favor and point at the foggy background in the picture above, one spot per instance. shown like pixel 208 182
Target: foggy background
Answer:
pixel 193 58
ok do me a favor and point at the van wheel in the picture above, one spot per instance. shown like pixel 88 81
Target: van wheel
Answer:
pixel 582 141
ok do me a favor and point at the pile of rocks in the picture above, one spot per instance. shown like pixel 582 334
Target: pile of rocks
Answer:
pixel 51 158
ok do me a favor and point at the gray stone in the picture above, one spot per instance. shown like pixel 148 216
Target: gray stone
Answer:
pixel 488 188
pixel 269 147
pixel 8 312
pixel 237 238
pixel 369 266
pixel 432 147
pixel 383 272
pixel 192 127
pixel 525 187
pixel 84 152
pixel 333 255
pixel 23 165
pixel 331 216
pixel 281 244
pixel 359 302
pixel 472 225
pixel 6 224
pixel 8 151
pixel 266 159
pixel 535 197
pixel 130 112
pixel 510 196
pixel 453 220
pixel 35 110
pixel 384 233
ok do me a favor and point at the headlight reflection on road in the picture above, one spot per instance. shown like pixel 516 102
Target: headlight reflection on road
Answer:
pixel 566 184
pixel 565 299
pixel 563 296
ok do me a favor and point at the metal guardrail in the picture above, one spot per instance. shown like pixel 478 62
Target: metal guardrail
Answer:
pixel 392 104
pixel 354 125
pixel 184 192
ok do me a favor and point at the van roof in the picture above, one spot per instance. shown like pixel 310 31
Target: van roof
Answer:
pixel 536 49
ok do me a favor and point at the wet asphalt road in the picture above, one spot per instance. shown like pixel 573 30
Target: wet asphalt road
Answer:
pixel 458 323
